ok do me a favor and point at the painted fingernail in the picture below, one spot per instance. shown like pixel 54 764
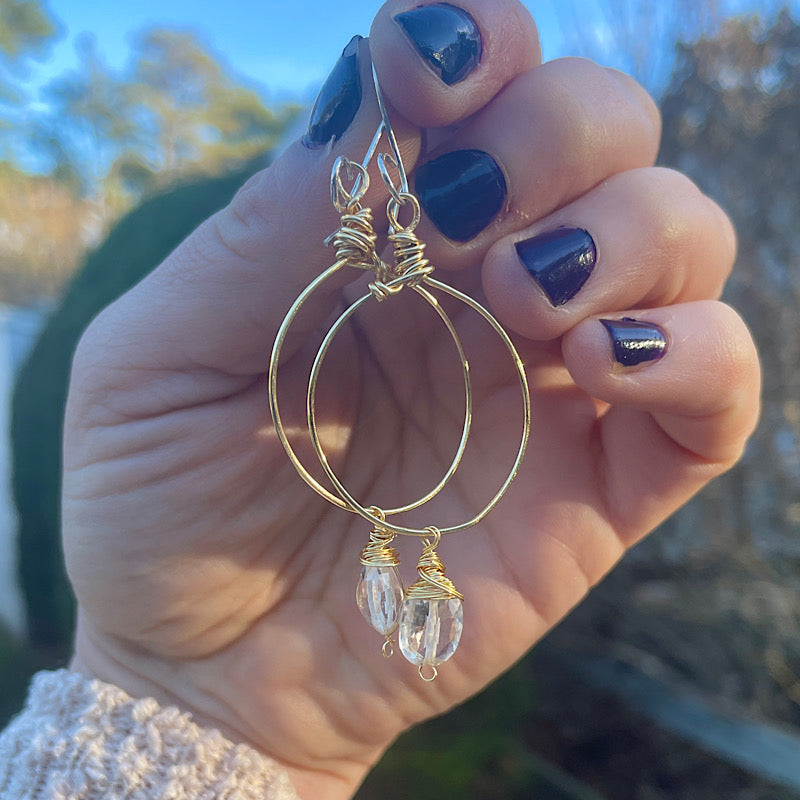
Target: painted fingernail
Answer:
pixel 461 192
pixel 560 261
pixel 446 37
pixel 338 100
pixel 635 342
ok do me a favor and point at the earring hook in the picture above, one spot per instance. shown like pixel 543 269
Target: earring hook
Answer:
pixel 395 159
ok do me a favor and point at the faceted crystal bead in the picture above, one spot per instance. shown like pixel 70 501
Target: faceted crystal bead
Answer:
pixel 379 595
pixel 430 629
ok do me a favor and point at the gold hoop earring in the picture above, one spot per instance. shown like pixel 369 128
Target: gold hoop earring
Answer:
pixel 379 591
pixel 429 614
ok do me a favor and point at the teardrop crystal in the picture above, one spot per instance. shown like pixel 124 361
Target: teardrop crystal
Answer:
pixel 430 630
pixel 379 595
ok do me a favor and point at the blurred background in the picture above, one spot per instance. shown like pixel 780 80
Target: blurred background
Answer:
pixel 679 677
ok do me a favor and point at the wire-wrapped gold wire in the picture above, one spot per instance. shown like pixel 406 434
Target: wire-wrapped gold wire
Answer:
pixel 355 239
pixel 433 584
pixel 376 552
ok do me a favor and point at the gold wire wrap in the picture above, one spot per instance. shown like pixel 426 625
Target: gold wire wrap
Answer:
pixel 409 251
pixel 410 266
pixel 433 584
pixel 355 240
pixel 377 553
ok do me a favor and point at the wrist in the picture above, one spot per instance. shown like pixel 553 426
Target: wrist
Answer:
pixel 170 683
pixel 80 732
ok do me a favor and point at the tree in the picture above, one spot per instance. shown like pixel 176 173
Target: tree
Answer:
pixel 192 113
pixel 731 120
pixel 26 29
pixel 639 37
pixel 107 139
pixel 90 124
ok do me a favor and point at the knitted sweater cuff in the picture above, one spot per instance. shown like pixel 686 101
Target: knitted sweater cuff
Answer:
pixel 81 739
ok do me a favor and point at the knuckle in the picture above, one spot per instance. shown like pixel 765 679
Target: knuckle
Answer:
pixel 597 113
pixel 679 218
pixel 734 350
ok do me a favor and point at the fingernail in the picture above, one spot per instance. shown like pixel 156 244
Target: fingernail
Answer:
pixel 338 100
pixel 461 192
pixel 635 342
pixel 560 261
pixel 446 37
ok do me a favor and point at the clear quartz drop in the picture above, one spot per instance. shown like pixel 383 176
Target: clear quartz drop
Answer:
pixel 379 595
pixel 430 629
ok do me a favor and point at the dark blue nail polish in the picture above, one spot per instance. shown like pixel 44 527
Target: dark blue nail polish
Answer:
pixel 461 192
pixel 635 342
pixel 446 37
pixel 338 100
pixel 560 261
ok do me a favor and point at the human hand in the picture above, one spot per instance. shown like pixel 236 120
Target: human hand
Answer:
pixel 210 576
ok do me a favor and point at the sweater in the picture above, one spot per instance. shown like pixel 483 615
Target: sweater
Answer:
pixel 82 739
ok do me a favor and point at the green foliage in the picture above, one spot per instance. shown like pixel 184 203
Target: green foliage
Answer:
pixel 25 28
pixel 731 120
pixel 133 248
pixel 102 140
pixel 17 663
pixel 175 111
pixel 476 751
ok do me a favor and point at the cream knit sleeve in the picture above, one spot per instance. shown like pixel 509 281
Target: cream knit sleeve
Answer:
pixel 81 739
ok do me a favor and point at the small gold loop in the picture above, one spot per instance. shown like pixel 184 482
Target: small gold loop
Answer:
pixel 342 198
pixel 388 648
pixel 433 674
pixel 437 537
pixel 386 160
pixel 393 209
pixel 378 512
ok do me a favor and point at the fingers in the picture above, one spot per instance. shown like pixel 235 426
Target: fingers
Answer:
pixel 644 238
pixel 683 382
pixel 438 64
pixel 551 135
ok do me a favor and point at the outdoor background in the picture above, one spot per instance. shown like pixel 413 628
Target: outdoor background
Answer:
pixel 679 677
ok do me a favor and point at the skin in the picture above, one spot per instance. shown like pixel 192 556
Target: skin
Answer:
pixel 208 574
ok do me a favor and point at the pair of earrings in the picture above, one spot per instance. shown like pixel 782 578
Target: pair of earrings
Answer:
pixel 428 615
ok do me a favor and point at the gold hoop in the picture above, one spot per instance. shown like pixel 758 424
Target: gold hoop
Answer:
pixel 341 501
pixel 351 503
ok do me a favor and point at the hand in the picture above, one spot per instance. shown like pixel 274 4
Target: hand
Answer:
pixel 210 576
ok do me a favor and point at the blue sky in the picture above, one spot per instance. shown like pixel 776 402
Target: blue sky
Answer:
pixel 287 45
